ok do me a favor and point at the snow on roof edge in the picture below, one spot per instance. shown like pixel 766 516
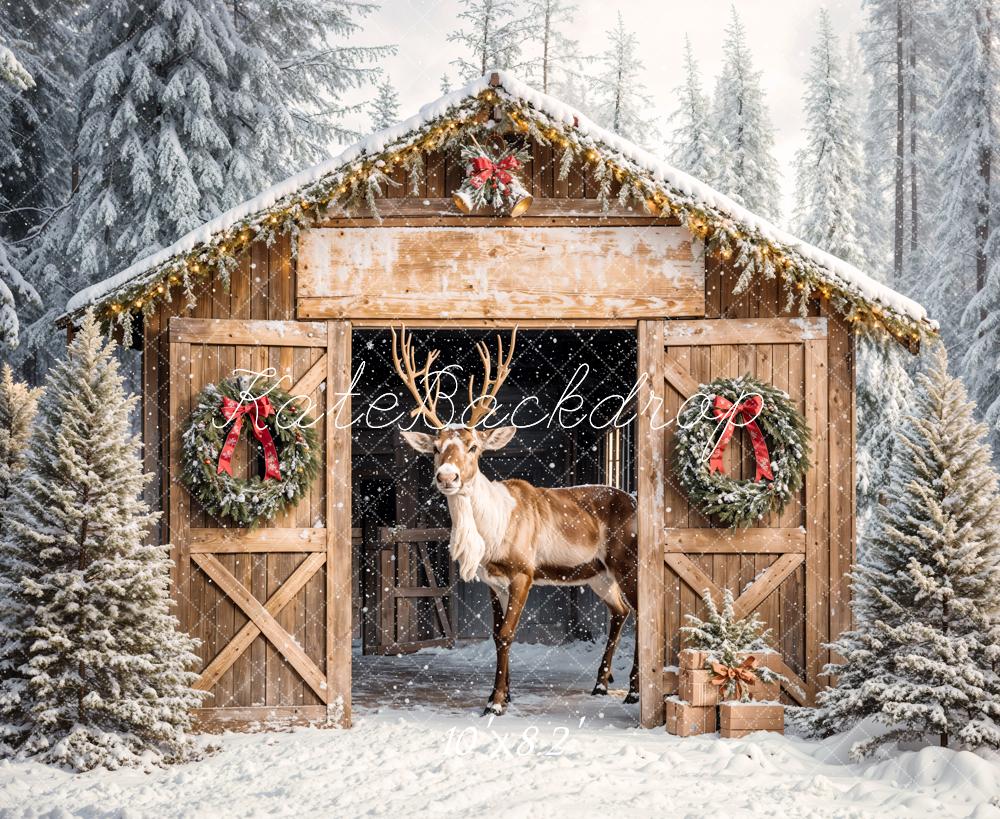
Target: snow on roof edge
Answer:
pixel 847 274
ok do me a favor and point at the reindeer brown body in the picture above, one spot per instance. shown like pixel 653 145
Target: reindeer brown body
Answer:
pixel 512 535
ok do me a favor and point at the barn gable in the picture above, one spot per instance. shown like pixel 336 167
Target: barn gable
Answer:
pixel 621 177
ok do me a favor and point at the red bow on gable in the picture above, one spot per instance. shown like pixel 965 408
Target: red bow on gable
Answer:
pixel 748 409
pixel 257 409
pixel 484 169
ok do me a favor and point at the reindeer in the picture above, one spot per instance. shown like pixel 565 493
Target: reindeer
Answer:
pixel 512 535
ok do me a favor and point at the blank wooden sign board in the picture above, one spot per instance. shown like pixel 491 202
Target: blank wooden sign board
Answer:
pixel 401 273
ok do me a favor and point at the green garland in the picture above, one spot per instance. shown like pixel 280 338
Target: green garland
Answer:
pixel 732 501
pixel 248 502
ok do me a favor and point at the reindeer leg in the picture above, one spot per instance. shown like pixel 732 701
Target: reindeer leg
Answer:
pixel 633 678
pixel 520 585
pixel 630 586
pixel 605 587
pixel 498 605
pixel 614 632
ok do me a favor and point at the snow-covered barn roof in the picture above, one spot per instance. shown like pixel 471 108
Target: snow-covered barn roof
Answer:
pixel 353 178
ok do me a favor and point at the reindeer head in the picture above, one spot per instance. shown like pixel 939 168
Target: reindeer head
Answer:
pixel 456 447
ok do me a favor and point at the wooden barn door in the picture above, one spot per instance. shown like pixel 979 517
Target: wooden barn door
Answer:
pixel 777 568
pixel 271 606
pixel 409 578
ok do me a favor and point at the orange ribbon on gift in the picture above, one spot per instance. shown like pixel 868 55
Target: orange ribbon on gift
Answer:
pixel 739 676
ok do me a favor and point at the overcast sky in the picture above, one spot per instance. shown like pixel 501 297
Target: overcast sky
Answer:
pixel 779 31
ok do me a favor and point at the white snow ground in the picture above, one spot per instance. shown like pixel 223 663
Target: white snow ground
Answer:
pixel 561 754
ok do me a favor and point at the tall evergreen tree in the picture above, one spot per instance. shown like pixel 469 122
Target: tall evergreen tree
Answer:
pixel 743 127
pixel 827 194
pixel 384 108
pixel 492 32
pixel 966 286
pixel 924 657
pixel 184 114
pixel 884 392
pixel 622 104
pixel 693 149
pixel 872 218
pixel 37 128
pixel 901 46
pixel 558 53
pixel 94 669
pixel 18 403
pixel 306 47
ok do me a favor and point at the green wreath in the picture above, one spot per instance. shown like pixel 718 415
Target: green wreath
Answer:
pixel 224 413
pixel 780 441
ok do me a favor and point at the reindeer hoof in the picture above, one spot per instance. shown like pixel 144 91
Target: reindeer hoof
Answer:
pixel 600 690
pixel 494 709
pixel 631 697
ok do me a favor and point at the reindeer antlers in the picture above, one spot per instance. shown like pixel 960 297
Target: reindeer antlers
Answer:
pixel 481 407
pixel 426 401
pixel 403 358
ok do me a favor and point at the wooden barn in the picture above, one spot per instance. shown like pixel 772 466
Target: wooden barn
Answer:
pixel 614 262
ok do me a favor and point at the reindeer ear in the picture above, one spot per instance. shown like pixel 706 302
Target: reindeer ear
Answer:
pixel 498 437
pixel 420 441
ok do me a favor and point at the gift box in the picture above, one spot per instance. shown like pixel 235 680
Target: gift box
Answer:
pixel 696 687
pixel 737 719
pixel 686 720
pixel 669 681
pixel 692 659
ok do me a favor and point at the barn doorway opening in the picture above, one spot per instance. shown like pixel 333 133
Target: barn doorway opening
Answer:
pixel 422 637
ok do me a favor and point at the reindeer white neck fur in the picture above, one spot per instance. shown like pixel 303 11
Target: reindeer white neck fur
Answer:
pixel 479 520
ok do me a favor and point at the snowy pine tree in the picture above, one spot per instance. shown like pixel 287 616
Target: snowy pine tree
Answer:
pixel 37 128
pixel 93 665
pixel 306 48
pixel 384 108
pixel 693 149
pixel 18 403
pixel 722 632
pixel 558 53
pixel 185 115
pixel 749 172
pixel 493 33
pixel 901 44
pixel 174 129
pixel 621 102
pixel 827 194
pixel 884 392
pixel 924 656
pixel 872 218
pixel 965 293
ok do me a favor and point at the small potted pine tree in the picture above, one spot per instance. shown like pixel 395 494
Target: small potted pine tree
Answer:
pixel 726 662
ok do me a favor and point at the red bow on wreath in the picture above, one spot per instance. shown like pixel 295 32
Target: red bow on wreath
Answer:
pixel 258 409
pixel 484 169
pixel 749 410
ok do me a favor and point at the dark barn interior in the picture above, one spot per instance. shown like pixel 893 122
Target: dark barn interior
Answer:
pixel 406 592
